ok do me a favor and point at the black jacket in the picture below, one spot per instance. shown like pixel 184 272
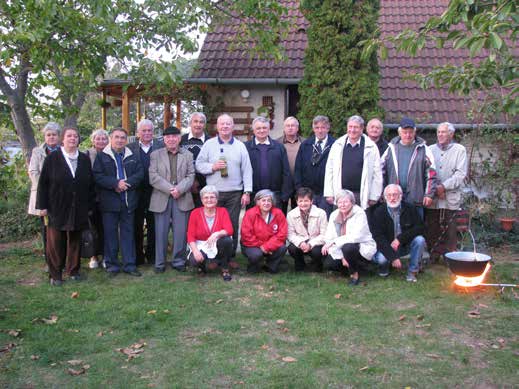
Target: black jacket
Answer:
pixel 311 175
pixel 382 228
pixel 67 199
pixel 280 178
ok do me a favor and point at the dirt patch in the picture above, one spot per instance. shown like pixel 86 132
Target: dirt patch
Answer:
pixel 30 281
pixel 24 244
pixel 193 337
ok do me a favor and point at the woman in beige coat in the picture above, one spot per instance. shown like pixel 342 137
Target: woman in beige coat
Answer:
pixel 51 133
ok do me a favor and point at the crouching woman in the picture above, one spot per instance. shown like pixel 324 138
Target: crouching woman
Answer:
pixel 209 234
pixel 348 238
pixel 263 234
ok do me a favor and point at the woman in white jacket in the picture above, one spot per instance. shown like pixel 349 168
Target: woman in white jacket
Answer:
pixel 348 238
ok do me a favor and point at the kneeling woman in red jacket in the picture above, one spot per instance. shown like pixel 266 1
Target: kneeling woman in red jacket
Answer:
pixel 209 234
pixel 263 234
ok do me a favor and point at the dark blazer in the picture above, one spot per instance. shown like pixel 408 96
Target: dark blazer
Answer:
pixel 67 199
pixel 382 228
pixel 193 146
pixel 307 174
pixel 280 178
pixel 145 162
pixel 105 175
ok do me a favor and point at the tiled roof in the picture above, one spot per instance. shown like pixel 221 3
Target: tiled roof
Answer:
pixel 398 96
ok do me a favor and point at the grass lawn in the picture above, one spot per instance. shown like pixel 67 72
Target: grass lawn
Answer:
pixel 202 332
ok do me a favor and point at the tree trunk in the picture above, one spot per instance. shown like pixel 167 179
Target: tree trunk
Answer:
pixel 22 124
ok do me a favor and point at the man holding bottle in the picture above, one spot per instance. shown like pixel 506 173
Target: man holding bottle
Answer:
pixel 225 162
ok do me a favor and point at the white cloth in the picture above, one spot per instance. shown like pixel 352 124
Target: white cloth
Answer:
pixel 68 157
pixel 210 250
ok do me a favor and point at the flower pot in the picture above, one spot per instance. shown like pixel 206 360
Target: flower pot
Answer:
pixel 507 223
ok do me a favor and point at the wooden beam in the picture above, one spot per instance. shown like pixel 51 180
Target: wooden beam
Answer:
pixel 103 112
pixel 139 115
pixel 167 112
pixel 125 111
pixel 178 123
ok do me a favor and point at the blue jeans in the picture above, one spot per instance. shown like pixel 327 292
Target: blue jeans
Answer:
pixel 415 249
pixel 119 224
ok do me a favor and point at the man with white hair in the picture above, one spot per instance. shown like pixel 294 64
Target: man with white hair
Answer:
pixel 375 131
pixel 142 147
pixel 193 141
pixel 398 230
pixel 451 166
pixel 354 165
pixel 409 163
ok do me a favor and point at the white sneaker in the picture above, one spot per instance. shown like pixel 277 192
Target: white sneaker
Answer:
pixel 93 263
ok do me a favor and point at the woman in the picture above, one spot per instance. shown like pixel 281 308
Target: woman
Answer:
pixel 99 140
pixel 65 194
pixel 51 134
pixel 306 228
pixel 209 233
pixel 348 239
pixel 263 233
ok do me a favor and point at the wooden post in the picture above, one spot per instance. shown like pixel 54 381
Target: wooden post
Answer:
pixel 167 112
pixel 125 110
pixel 103 112
pixel 139 116
pixel 178 123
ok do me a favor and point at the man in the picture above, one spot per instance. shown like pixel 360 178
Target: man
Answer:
pixel 142 147
pixel 451 166
pixel 270 168
pixel 225 162
pixel 118 173
pixel 311 160
pixel 291 140
pixel 171 176
pixel 193 141
pixel 354 165
pixel 374 130
pixel 409 163
pixel 397 228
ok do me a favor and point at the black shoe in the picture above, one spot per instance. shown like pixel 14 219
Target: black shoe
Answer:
pixel 179 268
pixel 134 273
pixel 226 275
pixel 112 274
pixel 354 281
pixel 76 277
pixel 268 269
pixel 158 270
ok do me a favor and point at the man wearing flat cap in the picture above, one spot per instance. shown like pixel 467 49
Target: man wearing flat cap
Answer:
pixel 171 176
pixel 408 162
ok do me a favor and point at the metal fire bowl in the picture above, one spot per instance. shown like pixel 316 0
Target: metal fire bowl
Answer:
pixel 467 263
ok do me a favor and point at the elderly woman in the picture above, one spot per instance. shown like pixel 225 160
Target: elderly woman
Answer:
pixel 348 238
pixel 100 139
pixel 263 233
pixel 51 134
pixel 65 194
pixel 306 228
pixel 209 234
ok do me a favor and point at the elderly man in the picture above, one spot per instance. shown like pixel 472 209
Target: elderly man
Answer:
pixel 409 163
pixel 142 147
pixel 311 161
pixel 270 169
pixel 118 173
pixel 225 162
pixel 375 129
pixel 171 176
pixel 397 228
pixel 451 166
pixel 354 165
pixel 291 140
pixel 193 141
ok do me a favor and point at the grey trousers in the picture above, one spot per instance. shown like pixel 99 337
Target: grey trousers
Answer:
pixel 177 220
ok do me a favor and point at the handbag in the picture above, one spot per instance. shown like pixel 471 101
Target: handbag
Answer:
pixel 88 241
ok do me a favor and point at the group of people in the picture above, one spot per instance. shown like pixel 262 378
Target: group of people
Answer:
pixel 353 200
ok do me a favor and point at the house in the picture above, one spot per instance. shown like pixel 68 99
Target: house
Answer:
pixel 249 87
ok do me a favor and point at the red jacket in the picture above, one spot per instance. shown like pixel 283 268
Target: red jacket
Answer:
pixel 197 228
pixel 255 232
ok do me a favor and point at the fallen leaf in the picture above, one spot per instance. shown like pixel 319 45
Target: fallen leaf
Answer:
pixel 53 319
pixel 100 333
pixel 166 311
pixel 288 359
pixel 152 312
pixel 145 377
pixel 7 347
pixel 433 356
pixel 86 367
pixel 75 372
pixel 338 296
pixel 401 318
pixel 482 305
pixel 284 329
pixel 74 295
pixel 419 317
pixel 280 321
pixel 15 333
pixel 474 313
pixel 364 368
pixel 219 301
pixel 357 306
pixel 501 340
pixel 35 357
pixel 138 345
pixel 72 330
pixel 75 362
pixel 265 347
pixel 53 364
pixel 495 346
pixel 423 325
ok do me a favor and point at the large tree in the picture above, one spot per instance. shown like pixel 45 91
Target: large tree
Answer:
pixel 337 82
pixel 66 44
